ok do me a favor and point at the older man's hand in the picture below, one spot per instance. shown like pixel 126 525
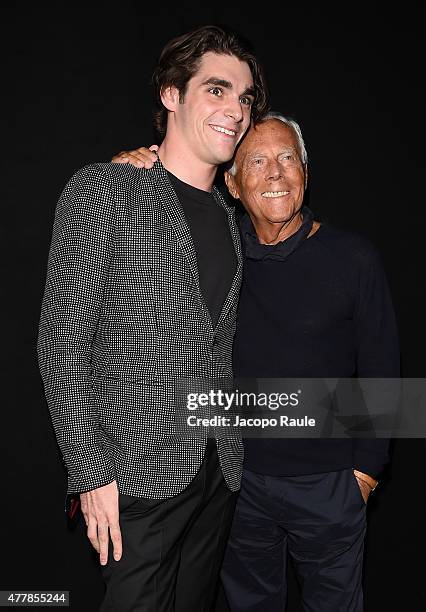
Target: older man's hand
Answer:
pixel 100 511
pixel 365 489
pixel 140 158
pixel 366 484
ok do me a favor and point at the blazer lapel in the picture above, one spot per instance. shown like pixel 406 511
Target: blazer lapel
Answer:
pixel 173 208
pixel 234 290
pixel 170 202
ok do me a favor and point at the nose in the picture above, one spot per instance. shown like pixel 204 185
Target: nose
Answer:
pixel 274 170
pixel 234 110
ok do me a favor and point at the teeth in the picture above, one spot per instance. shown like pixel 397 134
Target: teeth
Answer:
pixel 223 130
pixel 274 194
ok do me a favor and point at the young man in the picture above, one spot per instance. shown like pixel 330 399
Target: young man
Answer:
pixel 139 296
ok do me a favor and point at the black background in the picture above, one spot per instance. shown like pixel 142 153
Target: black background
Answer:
pixel 79 74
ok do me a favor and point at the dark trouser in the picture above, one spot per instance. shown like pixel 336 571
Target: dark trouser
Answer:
pixel 172 549
pixel 319 520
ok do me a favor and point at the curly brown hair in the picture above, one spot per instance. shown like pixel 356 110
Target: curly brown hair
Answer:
pixel 181 58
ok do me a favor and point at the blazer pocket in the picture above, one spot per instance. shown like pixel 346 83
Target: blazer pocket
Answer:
pixel 135 417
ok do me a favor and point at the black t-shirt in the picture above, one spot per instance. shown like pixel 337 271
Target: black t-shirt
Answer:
pixel 216 257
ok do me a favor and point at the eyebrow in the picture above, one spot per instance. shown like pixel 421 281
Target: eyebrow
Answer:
pixel 256 153
pixel 253 154
pixel 249 91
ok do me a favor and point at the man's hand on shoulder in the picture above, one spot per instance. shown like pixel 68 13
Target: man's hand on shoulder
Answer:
pixel 100 511
pixel 140 158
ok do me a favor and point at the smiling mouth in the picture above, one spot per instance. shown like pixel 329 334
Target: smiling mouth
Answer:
pixel 274 194
pixel 222 130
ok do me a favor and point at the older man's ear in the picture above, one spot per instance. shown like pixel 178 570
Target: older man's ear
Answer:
pixel 306 175
pixel 230 183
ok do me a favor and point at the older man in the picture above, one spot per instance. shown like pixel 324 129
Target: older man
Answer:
pixel 314 303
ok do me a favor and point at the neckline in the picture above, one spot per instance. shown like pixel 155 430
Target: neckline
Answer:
pixel 187 187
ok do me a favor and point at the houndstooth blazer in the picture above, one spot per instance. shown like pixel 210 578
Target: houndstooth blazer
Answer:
pixel 123 318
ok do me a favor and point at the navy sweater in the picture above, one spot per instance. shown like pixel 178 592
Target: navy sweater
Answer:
pixel 323 311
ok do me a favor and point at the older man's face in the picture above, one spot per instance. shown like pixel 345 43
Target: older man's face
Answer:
pixel 271 178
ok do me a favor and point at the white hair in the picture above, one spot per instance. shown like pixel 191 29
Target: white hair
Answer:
pixel 288 121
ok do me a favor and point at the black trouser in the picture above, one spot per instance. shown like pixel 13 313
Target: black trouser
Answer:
pixel 172 549
pixel 319 520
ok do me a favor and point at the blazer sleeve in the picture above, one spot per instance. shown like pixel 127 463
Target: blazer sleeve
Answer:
pixel 378 356
pixel 79 258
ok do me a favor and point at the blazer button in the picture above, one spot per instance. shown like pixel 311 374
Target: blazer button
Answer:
pixel 215 341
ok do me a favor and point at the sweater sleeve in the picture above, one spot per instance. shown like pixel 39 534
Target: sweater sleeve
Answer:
pixel 377 350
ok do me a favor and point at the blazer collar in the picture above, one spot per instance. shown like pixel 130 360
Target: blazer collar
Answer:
pixel 234 290
pixel 173 208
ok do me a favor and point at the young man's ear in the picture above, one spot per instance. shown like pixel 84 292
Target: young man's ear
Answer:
pixel 170 97
pixel 231 185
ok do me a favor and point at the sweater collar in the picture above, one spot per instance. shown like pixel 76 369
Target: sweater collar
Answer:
pixel 277 252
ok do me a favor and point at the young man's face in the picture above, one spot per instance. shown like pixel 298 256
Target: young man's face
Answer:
pixel 216 109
